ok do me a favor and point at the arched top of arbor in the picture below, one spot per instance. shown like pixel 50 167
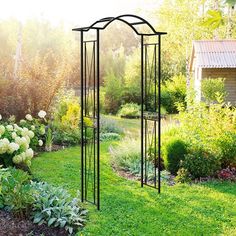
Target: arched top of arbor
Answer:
pixel 137 23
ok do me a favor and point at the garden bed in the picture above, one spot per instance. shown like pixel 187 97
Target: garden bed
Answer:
pixel 12 226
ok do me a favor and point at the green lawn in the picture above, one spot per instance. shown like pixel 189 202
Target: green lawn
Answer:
pixel 127 209
pixel 132 127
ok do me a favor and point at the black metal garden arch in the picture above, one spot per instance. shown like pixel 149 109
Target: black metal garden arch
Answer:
pixel 150 80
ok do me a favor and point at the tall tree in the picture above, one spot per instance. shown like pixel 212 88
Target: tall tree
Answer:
pixel 180 19
pixel 231 21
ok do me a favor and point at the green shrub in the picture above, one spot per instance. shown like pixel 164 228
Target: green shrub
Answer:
pixel 129 110
pixel 55 207
pixel 126 155
pixel 132 88
pixel 113 93
pixel 174 152
pixel 210 128
pixel 66 110
pixel 66 118
pixel 212 88
pixel 227 145
pixel 201 164
pixel 16 192
pixel 67 137
pixel 109 125
pixel 109 137
pixel 166 100
pixel 173 92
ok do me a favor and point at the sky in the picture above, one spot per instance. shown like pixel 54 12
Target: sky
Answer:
pixel 73 12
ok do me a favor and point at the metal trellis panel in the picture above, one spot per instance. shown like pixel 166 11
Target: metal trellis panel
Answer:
pixel 150 63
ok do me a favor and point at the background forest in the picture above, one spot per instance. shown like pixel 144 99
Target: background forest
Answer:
pixel 39 59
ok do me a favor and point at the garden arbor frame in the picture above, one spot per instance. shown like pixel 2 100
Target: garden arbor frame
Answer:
pixel 150 105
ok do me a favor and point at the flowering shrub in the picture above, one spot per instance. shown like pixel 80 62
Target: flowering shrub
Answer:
pixel 18 141
pixel 37 126
pixel 227 174
pixel 130 110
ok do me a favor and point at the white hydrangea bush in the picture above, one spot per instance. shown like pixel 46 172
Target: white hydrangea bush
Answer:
pixel 19 141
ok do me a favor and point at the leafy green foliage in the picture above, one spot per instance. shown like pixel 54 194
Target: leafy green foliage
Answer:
pixel 213 88
pixel 231 2
pixel 201 164
pixel 209 132
pixel 126 155
pixel 173 92
pixel 109 125
pixel 208 127
pixel 113 93
pixel 227 146
pixel 214 19
pixel 174 152
pixel 3 174
pixel 186 21
pixel 54 206
pixel 67 137
pixel 121 88
pixel 66 118
pixel 46 203
pixel 129 110
pixel 16 192
pixel 66 110
pixel 109 137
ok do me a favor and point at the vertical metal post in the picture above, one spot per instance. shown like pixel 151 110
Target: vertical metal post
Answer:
pixel 82 108
pixel 159 113
pixel 155 122
pixel 98 124
pixel 146 109
pixel 85 128
pixel 94 128
pixel 141 110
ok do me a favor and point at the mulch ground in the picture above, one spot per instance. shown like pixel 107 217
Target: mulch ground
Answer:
pixel 12 226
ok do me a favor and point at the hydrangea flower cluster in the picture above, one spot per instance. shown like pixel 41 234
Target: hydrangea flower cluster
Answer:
pixel 17 140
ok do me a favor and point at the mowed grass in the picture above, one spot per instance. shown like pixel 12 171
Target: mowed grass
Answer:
pixel 128 209
pixel 132 127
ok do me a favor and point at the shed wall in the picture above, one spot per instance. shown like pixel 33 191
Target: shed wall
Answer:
pixel 230 80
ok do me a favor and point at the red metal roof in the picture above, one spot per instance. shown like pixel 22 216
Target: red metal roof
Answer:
pixel 215 53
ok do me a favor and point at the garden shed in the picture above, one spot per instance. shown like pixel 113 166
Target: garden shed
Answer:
pixel 214 59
